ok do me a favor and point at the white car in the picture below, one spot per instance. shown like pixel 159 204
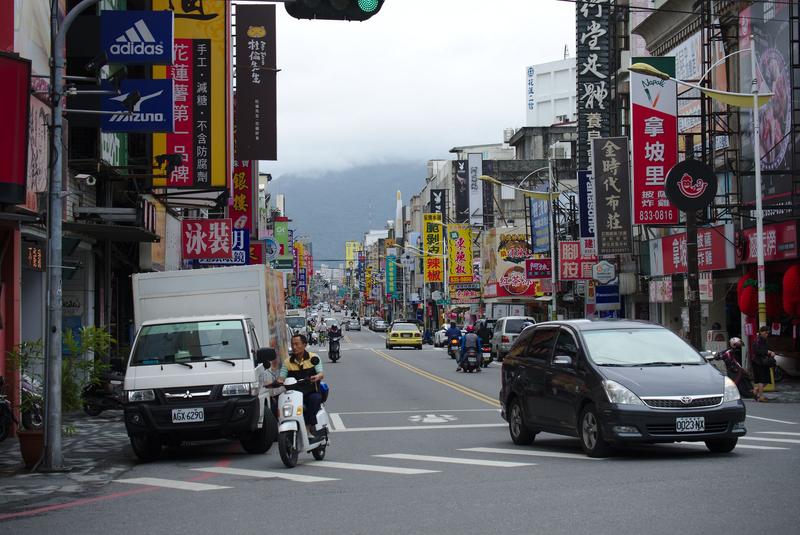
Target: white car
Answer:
pixel 440 338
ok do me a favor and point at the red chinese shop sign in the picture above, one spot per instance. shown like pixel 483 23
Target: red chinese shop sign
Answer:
pixel 242 207
pixel 571 265
pixel 654 142
pixel 203 239
pixel 714 251
pixel 780 242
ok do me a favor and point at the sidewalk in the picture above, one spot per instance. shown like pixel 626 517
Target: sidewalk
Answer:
pixel 96 451
pixel 787 391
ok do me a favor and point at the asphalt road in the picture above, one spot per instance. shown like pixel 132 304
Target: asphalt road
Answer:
pixel 419 448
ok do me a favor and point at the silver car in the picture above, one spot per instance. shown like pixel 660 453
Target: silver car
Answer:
pixel 352 325
pixel 506 331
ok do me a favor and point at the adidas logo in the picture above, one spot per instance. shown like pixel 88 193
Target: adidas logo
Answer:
pixel 137 40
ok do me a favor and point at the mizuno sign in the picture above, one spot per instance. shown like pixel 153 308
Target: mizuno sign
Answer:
pixel 144 37
pixel 151 113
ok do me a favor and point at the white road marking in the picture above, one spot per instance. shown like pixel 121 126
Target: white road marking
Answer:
pixel 779 433
pixel 372 468
pixel 765 439
pixel 170 484
pixel 264 474
pixel 416 427
pixel 532 453
pixel 424 410
pixel 453 460
pixel 751 447
pixel 336 421
pixel 771 420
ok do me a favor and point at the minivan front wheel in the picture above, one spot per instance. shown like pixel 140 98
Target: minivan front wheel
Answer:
pixel 721 445
pixel 591 433
pixel 520 433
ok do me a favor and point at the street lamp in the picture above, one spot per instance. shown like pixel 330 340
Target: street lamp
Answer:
pixel 740 100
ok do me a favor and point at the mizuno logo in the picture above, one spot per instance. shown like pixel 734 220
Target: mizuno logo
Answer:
pixel 137 116
pixel 137 40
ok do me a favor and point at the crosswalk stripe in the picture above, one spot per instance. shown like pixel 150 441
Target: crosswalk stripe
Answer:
pixel 417 427
pixel 765 439
pixel 264 474
pixel 771 420
pixel 453 460
pixel 787 433
pixel 752 447
pixel 372 468
pixel 532 453
pixel 170 484
pixel 336 421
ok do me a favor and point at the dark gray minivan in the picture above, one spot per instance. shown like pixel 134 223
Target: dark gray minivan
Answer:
pixel 616 381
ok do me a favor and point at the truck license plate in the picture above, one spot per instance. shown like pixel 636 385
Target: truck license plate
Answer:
pixel 696 424
pixel 180 416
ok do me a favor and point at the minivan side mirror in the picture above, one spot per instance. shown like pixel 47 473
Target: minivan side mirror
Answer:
pixel 562 361
pixel 265 355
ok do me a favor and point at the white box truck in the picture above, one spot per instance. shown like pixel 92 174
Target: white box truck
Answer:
pixel 196 369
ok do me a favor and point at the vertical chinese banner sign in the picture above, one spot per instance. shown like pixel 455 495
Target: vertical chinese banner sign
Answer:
pixel 201 78
pixel 459 251
pixel 432 236
pixel 391 276
pixel 593 70
pixel 461 191
pixel 612 194
pixel 475 162
pixel 654 142
pixel 242 210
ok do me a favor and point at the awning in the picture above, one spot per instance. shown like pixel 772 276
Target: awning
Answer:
pixel 122 233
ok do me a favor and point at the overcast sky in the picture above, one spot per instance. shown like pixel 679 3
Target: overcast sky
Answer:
pixel 418 78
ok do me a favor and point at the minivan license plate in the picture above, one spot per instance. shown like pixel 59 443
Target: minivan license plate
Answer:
pixel 181 416
pixel 695 424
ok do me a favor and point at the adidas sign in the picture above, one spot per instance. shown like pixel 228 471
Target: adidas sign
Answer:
pixel 137 40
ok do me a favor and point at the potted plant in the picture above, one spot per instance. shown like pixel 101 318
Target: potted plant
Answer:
pixel 28 359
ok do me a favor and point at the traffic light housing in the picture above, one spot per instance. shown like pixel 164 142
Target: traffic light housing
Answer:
pixel 359 10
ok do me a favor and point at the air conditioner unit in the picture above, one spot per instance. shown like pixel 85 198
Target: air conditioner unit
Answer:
pixel 561 150
pixel 508 133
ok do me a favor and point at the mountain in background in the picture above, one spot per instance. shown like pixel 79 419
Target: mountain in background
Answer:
pixel 343 205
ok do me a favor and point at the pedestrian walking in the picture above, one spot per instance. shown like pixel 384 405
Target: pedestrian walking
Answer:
pixel 763 360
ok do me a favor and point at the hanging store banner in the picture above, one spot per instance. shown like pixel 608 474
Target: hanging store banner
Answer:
pixel 780 242
pixel 475 163
pixel 391 275
pixel 488 194
pixel 593 51
pixel 612 194
pixel 540 225
pixel 661 290
pixel 202 85
pixel 256 253
pixel 241 251
pixel 137 37
pixel 439 202
pixel 432 237
pixel 281 235
pixel 538 268
pixel 15 118
pixel 152 113
pixel 459 252
pixel 206 239
pixel 256 82
pixel 461 187
pixel 243 208
pixel 571 265
pixel 465 294
pixel 586 204
pixel 715 251
pixel 654 142
pixel 351 250
pixel 503 255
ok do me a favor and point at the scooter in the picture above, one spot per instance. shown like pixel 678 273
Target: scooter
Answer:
pixel 103 396
pixel 292 434
pixel 470 363
pixel 452 347
pixel 333 347
pixel 486 349
pixel 7 418
pixel 32 401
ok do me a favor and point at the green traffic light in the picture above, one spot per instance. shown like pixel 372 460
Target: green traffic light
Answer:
pixel 368 6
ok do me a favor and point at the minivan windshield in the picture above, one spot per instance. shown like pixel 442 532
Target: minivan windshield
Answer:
pixel 296 322
pixel 639 347
pixel 170 343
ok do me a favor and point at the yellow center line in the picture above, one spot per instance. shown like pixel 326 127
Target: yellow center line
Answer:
pixel 455 386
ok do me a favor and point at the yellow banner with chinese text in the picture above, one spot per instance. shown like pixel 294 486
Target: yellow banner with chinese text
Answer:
pixel 459 252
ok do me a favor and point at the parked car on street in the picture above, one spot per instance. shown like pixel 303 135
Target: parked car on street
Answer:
pixel 404 334
pixel 380 326
pixel 506 331
pixel 616 382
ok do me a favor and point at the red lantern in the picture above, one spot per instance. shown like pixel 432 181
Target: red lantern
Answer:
pixel 791 290
pixel 747 294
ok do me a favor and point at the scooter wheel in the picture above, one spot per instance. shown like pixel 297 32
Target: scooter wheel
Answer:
pixel 91 410
pixel 287 447
pixel 318 453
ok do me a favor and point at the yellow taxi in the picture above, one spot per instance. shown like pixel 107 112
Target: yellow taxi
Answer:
pixel 404 334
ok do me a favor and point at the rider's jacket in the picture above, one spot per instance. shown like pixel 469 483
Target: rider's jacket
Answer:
pixel 301 368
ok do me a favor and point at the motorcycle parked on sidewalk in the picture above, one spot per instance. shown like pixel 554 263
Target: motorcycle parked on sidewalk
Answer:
pixel 293 437
pixel 33 404
pixel 486 350
pixel 452 347
pixel 103 396
pixel 7 418
pixel 470 362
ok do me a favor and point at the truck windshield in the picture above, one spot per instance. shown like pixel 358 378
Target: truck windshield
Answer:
pixel 170 343
pixel 296 322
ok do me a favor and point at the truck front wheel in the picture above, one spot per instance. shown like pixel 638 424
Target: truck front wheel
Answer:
pixel 146 447
pixel 260 440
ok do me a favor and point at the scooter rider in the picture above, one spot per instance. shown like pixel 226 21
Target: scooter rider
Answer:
pixel 299 366
pixel 469 341
pixel 452 332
